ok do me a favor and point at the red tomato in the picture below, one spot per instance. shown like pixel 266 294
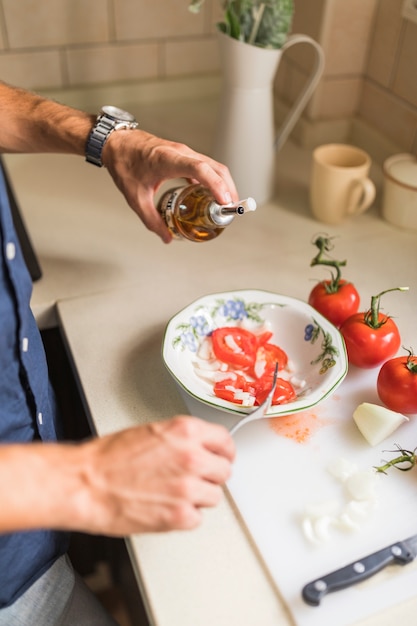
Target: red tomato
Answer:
pixel 231 389
pixel 368 346
pixel 284 391
pixel 266 357
pixel 335 306
pixel 235 346
pixel 397 384
pixel 264 337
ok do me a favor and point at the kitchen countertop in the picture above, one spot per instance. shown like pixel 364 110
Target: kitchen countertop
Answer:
pixel 112 286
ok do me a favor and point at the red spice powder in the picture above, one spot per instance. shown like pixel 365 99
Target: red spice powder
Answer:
pixel 299 426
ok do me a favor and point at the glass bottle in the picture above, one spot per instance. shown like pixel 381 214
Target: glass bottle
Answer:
pixel 192 213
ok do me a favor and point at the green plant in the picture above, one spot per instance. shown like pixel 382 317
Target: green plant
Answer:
pixel 263 23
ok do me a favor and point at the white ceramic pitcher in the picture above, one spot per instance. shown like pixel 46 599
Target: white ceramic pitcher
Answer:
pixel 245 138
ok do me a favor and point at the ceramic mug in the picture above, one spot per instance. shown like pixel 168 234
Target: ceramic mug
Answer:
pixel 340 184
pixel 399 203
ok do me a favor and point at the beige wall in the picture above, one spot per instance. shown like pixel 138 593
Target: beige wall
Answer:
pixel 65 43
pixel 371 54
pixel 371 68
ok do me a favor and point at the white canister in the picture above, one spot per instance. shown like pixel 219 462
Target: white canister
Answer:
pixel 399 204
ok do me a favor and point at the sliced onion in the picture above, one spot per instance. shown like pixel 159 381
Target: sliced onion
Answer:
pixel 308 530
pixel 360 502
pixel 205 350
pixel 347 523
pixel 362 485
pixel 259 367
pixel 341 468
pixel 323 525
pixel 231 343
pixel 360 510
pixel 209 365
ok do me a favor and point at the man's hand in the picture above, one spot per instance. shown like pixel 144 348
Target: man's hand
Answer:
pixel 149 478
pixel 140 162
pixel 156 477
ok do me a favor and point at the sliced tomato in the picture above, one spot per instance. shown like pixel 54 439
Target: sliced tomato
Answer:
pixel 264 337
pixel 284 391
pixel 235 389
pixel 235 346
pixel 267 356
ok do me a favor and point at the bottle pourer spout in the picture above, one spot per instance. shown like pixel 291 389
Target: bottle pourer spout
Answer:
pixel 243 206
pixel 248 205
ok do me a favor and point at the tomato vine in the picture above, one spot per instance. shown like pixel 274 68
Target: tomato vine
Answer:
pixel 324 245
pixel 404 462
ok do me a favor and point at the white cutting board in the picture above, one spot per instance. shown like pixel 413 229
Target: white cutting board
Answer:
pixel 276 475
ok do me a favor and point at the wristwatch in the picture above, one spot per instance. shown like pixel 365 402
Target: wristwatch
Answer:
pixel 109 119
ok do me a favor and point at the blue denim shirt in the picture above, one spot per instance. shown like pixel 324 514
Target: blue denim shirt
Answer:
pixel 27 408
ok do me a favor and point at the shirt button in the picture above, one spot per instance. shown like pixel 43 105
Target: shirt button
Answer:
pixel 25 344
pixel 10 250
pixel 40 418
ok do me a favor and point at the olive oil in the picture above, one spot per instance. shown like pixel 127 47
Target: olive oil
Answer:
pixel 191 212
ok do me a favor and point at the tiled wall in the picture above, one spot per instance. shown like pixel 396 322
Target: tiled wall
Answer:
pixel 371 53
pixel 371 67
pixel 64 43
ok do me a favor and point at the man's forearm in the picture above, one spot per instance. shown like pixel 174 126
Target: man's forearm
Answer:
pixel 41 486
pixel 31 123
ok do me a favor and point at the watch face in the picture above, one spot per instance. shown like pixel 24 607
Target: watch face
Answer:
pixel 118 114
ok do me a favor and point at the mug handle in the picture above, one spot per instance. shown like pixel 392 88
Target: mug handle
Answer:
pixel 362 194
pixel 298 106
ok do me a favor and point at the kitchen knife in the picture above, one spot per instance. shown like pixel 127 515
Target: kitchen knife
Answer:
pixel 401 552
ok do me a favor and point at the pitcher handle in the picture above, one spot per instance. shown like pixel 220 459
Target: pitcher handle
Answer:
pixel 294 114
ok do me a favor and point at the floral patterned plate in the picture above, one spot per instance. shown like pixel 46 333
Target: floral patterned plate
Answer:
pixel 315 348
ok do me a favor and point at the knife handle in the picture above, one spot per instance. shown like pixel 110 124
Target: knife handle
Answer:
pixel 355 572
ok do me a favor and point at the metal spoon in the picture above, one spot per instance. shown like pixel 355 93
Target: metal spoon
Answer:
pixel 261 411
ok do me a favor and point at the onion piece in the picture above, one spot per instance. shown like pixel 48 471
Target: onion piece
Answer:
pixel 362 485
pixel 376 423
pixel 358 504
pixel 341 468
pixel 231 343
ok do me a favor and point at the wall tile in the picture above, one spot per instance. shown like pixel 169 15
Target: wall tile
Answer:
pixel 112 63
pixel 385 41
pixel 146 19
pixel 32 70
pixel 405 80
pixel 390 115
pixel 308 17
pixel 50 44
pixel 55 22
pixel 336 98
pixel 346 31
pixel 191 57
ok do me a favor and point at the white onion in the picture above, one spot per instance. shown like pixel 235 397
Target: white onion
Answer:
pixel 341 468
pixel 362 485
pixel 259 367
pixel 376 423
pixel 231 343
pixel 205 350
pixel 209 365
pixel 359 500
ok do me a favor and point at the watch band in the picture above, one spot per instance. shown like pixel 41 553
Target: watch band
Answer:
pixel 110 118
pixel 97 138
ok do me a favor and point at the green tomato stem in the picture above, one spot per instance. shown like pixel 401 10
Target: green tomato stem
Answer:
pixel 406 456
pixel 371 317
pixel 324 244
pixel 411 363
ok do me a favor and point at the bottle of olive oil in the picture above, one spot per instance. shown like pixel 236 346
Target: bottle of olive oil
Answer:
pixel 191 212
